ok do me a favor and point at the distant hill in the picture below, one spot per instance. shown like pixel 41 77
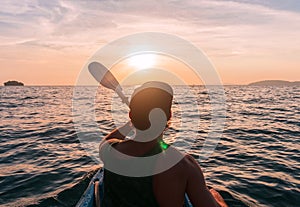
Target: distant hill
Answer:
pixel 275 83
pixel 13 83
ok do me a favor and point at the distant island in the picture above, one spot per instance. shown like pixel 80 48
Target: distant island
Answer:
pixel 275 83
pixel 13 83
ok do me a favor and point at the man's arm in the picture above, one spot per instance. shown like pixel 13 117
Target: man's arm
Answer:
pixel 115 136
pixel 197 190
pixel 120 133
pixel 218 197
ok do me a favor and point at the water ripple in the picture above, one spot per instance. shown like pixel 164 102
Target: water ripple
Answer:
pixel 256 162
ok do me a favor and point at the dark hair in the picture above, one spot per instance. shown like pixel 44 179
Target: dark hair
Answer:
pixel 147 97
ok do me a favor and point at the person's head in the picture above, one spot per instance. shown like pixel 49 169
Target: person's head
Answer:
pixel 150 95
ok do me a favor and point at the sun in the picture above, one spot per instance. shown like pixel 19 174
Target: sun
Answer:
pixel 142 61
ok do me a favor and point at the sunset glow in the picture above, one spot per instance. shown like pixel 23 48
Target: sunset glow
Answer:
pixel 48 42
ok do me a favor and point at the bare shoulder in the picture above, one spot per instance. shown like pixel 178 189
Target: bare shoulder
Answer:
pixel 191 165
pixel 189 159
pixel 185 166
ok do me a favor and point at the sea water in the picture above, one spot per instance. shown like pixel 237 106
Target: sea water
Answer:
pixel 43 161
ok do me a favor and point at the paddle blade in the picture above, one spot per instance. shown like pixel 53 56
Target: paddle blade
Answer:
pixel 107 79
pixel 103 75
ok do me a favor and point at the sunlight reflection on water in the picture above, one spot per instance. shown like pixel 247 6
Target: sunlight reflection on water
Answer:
pixel 257 159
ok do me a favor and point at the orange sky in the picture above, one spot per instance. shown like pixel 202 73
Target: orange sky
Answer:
pixel 49 43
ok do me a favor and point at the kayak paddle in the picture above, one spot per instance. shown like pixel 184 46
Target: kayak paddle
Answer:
pixel 107 79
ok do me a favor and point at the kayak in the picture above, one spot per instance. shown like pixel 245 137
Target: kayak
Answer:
pixel 88 197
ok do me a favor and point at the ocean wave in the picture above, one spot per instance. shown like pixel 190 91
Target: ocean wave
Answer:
pixel 44 163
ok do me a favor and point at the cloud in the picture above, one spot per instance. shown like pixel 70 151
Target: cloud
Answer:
pixel 239 34
pixel 233 27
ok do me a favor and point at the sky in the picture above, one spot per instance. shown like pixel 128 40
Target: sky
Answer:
pixel 48 42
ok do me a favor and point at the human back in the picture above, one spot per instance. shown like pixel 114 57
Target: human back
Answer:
pixel 166 188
